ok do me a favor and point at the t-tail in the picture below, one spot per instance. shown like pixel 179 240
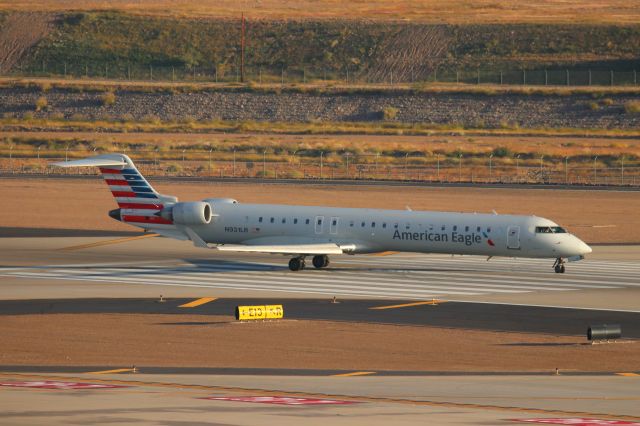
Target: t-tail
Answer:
pixel 139 204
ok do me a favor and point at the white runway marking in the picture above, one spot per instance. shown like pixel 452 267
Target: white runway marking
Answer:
pixel 400 276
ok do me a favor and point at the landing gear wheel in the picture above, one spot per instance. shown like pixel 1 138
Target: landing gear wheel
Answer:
pixel 558 266
pixel 320 261
pixel 296 264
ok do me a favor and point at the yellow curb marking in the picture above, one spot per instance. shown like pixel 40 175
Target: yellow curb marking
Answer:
pixel 198 302
pixel 105 243
pixel 628 374
pixel 355 373
pixel 119 370
pixel 406 305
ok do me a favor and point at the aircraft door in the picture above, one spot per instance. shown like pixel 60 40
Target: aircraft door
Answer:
pixel 319 224
pixel 333 227
pixel 513 238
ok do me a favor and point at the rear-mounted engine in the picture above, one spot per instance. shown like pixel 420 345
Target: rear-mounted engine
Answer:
pixel 194 213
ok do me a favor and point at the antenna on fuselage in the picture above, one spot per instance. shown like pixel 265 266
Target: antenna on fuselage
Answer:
pixel 494 212
pixel 409 208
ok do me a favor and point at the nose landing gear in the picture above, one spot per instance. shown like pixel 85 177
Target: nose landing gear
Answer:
pixel 558 266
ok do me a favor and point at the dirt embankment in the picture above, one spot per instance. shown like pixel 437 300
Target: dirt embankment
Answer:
pixel 595 216
pixel 19 32
pixel 459 109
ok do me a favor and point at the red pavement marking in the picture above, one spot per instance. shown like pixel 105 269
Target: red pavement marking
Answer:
pixel 577 422
pixel 281 400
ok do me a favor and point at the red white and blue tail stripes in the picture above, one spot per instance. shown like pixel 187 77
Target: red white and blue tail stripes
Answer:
pixel 138 201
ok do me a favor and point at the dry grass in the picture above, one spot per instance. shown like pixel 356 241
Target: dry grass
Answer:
pixel 112 339
pixel 450 11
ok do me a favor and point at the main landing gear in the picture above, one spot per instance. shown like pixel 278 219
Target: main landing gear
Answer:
pixel 558 266
pixel 298 263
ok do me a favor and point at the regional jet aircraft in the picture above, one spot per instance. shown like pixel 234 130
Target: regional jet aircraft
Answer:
pixel 317 232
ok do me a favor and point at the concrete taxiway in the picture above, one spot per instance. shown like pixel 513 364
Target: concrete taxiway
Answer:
pixel 171 399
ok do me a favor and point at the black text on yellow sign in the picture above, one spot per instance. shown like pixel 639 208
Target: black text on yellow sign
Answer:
pixel 261 312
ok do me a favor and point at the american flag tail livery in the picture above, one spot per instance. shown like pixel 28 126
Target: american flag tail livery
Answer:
pixel 139 204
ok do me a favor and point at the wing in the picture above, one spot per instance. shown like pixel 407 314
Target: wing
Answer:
pixel 302 249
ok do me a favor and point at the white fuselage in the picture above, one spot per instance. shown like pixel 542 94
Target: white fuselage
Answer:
pixel 370 230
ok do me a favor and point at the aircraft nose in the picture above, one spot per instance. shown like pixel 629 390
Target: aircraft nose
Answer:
pixel 585 249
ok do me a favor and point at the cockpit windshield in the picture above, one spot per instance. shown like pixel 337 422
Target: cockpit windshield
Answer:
pixel 550 230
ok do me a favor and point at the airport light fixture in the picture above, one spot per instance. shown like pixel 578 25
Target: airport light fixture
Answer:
pixel 321 158
pixel 595 170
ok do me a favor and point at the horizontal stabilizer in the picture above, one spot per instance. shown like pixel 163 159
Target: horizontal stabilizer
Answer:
pixel 304 249
pixel 102 161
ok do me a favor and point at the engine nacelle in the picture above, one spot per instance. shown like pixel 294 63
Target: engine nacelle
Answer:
pixel 193 213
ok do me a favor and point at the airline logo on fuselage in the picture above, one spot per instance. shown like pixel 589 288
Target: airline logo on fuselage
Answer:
pixel 455 237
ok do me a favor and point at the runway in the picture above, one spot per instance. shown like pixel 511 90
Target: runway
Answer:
pixel 400 276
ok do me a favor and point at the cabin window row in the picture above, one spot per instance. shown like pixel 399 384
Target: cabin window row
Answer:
pixel 396 225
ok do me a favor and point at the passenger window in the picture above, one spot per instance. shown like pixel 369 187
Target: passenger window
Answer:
pixel 260 219
pixel 373 224
pixel 363 224
pixel 334 223
pixel 408 226
pixel 295 221
pixel 351 224
pixel 488 230
pixel 443 227
pixel 466 229
pixel 478 229
pixel 384 225
pixel 395 226
pixel 284 220
pixel 272 220
pixel 306 222
pixel 319 221
pixel 455 227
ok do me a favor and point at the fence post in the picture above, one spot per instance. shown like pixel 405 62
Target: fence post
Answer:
pixel 500 77
pixel 611 78
pixel 86 70
pixel 391 72
pixel 635 78
pixel 282 76
pixel 566 170
pixel 460 168
pixel 65 69
pixel 234 163
pixel 173 73
pixel 490 167
pixel 524 77
pixel 589 77
pixel 478 76
pixel 150 72
pixel 128 71
pixel 546 78
pixel 595 170
pixel 457 76
pixel 321 161
pixel 567 77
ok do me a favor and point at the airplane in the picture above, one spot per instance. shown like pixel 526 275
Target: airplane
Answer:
pixel 224 224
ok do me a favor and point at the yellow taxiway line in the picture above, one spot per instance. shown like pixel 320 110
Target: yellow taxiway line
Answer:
pixel 406 305
pixel 628 374
pixel 105 243
pixel 119 370
pixel 355 373
pixel 198 302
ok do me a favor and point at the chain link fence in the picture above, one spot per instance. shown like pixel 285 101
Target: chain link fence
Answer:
pixel 348 166
pixel 225 73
